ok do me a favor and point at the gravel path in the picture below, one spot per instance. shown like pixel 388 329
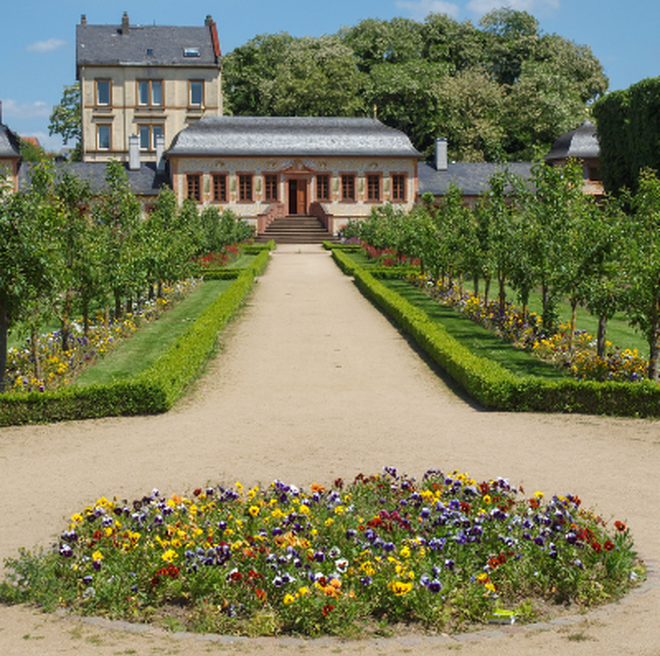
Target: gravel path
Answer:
pixel 311 384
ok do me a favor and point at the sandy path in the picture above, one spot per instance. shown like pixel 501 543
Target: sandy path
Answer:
pixel 313 384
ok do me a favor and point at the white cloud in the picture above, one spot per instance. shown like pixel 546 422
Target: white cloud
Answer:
pixel 531 6
pixel 46 46
pixel 420 9
pixel 37 109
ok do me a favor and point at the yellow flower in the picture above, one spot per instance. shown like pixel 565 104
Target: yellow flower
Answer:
pixel 405 552
pixel 254 510
pixel 77 519
pixel 288 599
pixel 303 591
pixel 329 521
pixel 97 556
pixel 399 588
pixel 169 556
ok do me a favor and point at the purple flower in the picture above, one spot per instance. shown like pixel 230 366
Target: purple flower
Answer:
pixel 434 586
pixel 66 551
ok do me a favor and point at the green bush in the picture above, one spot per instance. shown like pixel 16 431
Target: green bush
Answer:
pixel 154 390
pixel 490 383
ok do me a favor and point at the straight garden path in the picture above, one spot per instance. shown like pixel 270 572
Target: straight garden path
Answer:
pixel 312 383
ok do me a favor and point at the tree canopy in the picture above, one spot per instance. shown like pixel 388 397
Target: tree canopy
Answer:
pixel 629 133
pixel 499 90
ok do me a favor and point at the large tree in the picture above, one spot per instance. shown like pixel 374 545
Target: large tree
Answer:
pixel 66 118
pixel 502 89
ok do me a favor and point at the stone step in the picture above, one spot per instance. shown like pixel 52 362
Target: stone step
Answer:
pixel 296 230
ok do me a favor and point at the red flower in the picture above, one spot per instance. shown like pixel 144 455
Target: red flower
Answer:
pixel 608 546
pixel 260 594
pixel 596 546
pixel 620 526
pixel 327 609
pixel 236 576
pixel 197 492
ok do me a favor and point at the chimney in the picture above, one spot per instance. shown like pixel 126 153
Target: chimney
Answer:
pixel 160 151
pixel 83 19
pixel 209 21
pixel 441 154
pixel 124 23
pixel 133 152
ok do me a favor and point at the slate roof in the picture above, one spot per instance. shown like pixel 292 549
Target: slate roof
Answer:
pixel 146 181
pixel 106 44
pixel 291 137
pixel 581 143
pixel 9 145
pixel 470 177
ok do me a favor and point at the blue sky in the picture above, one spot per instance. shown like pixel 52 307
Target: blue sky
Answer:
pixel 37 37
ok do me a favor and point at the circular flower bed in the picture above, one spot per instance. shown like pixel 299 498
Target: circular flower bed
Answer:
pixel 440 553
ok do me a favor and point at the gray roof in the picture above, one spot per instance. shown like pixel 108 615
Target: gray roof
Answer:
pixel 470 177
pixel 581 143
pixel 106 44
pixel 291 137
pixel 145 181
pixel 9 144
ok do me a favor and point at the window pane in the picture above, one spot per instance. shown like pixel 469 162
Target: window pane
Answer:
pixel 156 131
pixel 145 134
pixel 143 92
pixel 157 92
pixel 103 92
pixel 196 95
pixel 104 137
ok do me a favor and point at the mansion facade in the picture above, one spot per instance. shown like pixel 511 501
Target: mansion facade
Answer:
pixel 151 97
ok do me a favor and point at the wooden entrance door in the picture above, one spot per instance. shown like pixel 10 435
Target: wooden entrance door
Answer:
pixel 297 196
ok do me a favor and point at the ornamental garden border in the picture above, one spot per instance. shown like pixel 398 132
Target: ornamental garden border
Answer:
pixel 490 383
pixel 154 390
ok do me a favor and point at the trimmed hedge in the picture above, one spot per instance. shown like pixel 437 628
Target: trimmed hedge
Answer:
pixel 491 384
pixel 152 391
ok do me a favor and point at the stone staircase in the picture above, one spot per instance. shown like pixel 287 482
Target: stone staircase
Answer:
pixel 296 230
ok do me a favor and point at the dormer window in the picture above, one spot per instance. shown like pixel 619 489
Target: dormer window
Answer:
pixel 191 52
pixel 150 52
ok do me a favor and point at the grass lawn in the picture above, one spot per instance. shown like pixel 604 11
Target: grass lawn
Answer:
pixel 140 351
pixel 477 339
pixel 619 332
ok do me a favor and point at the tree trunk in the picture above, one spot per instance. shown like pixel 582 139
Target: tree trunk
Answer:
pixel 117 296
pixel 486 290
pixel 85 313
pixel 34 351
pixel 600 338
pixel 4 327
pixel 66 320
pixel 502 292
pixel 653 357
pixel 571 337
pixel 476 285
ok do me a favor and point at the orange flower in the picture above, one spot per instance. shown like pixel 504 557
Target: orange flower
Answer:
pixel 261 595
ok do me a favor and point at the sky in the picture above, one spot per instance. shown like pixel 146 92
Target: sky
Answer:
pixel 37 37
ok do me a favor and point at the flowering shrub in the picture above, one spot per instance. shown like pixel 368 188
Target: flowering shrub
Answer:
pixel 442 552
pixel 58 367
pixel 225 256
pixel 387 256
pixel 580 358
